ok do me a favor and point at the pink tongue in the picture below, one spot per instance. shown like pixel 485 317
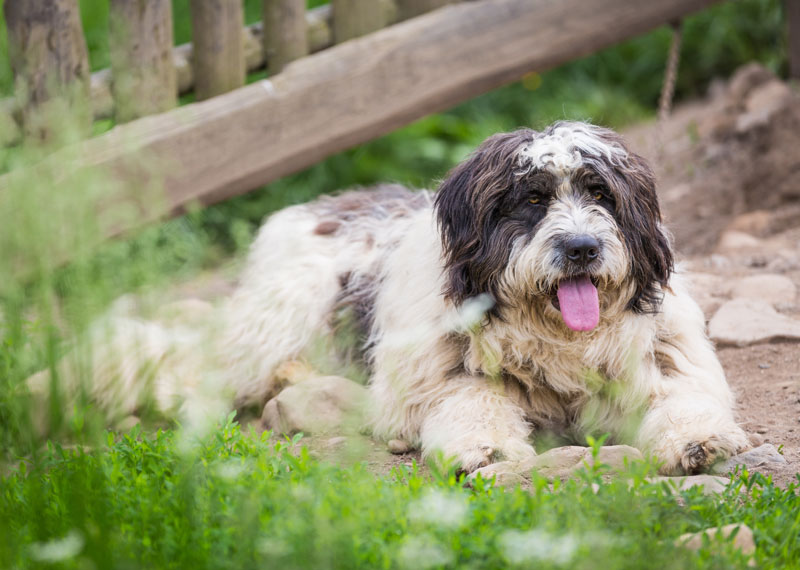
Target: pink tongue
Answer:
pixel 579 305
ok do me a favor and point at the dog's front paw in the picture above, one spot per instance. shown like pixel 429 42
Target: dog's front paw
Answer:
pixel 471 457
pixel 691 455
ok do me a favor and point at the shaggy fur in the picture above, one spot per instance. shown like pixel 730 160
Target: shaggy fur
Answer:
pixel 456 296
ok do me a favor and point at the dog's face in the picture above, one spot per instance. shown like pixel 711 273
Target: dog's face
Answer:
pixel 555 215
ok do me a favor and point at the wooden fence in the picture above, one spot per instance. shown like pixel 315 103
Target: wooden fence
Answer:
pixel 368 77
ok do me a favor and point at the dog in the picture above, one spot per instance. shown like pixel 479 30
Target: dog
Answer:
pixel 534 293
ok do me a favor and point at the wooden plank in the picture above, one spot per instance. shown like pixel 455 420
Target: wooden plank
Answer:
pixel 322 104
pixel 318 22
pixel 48 54
pixel 285 32
pixel 411 8
pixel 218 57
pixel 140 41
pixel 793 25
pixel 355 18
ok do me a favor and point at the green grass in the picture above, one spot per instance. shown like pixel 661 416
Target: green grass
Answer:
pixel 243 501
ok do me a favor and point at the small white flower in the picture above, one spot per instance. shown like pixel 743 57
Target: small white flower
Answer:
pixel 420 552
pixel 519 547
pixel 58 549
pixel 448 510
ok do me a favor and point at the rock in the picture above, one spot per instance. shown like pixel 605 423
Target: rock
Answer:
pixel 337 441
pixel 763 455
pixel 562 462
pixel 317 405
pixel 398 446
pixel 746 79
pixel 743 540
pixel 776 289
pixel 734 242
pixel 709 291
pixel 743 321
pixel 126 423
pixel 756 223
pixel 762 103
pixel 709 484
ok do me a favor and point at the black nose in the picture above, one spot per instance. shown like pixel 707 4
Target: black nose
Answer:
pixel 582 249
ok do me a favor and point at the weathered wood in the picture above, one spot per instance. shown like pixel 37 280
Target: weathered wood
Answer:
pixel 218 56
pixel 318 22
pixel 285 32
pixel 793 24
pixel 355 18
pixel 49 58
pixel 325 103
pixel 141 57
pixel 410 8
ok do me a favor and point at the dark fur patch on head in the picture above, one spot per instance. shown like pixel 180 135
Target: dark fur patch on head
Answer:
pixel 476 233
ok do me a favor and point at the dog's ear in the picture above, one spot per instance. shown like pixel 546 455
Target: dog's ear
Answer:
pixel 467 205
pixel 639 217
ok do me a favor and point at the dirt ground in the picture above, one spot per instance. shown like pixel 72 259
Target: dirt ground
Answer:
pixel 729 176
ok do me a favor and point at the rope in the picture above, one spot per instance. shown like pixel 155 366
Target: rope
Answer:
pixel 668 87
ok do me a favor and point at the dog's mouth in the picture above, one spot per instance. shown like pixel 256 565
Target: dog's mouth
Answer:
pixel 577 299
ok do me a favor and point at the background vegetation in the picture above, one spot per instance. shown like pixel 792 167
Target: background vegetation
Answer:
pixel 240 500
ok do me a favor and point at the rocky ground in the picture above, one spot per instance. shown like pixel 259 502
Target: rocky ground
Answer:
pixel 729 174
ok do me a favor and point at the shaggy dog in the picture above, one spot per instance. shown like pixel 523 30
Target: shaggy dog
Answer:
pixel 533 293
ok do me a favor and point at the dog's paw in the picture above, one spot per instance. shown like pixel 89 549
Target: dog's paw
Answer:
pixel 692 455
pixel 474 457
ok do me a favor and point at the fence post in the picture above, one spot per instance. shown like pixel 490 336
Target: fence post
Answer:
pixel 354 18
pixel 793 25
pixel 285 32
pixel 218 39
pixel 141 57
pixel 48 54
pixel 410 8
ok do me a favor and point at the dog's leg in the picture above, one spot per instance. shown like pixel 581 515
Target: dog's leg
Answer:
pixel 689 424
pixel 476 423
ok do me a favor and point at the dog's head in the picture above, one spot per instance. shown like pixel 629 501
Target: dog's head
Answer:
pixel 555 215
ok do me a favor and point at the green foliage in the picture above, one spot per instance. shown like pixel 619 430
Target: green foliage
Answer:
pixel 238 500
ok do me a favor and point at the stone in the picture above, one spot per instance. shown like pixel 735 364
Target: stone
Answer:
pixel 756 223
pixel 774 288
pixel 764 455
pixel 562 462
pixel 709 291
pixel 709 484
pixel 398 446
pixel 733 241
pixel 317 405
pixel 762 103
pixel 743 540
pixel 743 321
pixel 746 79
pixel 126 423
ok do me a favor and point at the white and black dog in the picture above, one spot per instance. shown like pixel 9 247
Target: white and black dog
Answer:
pixel 534 292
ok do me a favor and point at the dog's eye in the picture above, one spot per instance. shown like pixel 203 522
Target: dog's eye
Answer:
pixel 598 192
pixel 535 199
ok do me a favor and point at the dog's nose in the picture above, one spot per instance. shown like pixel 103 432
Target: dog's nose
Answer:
pixel 582 249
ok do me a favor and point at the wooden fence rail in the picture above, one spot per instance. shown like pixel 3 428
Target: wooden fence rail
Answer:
pixel 324 103
pixel 147 73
